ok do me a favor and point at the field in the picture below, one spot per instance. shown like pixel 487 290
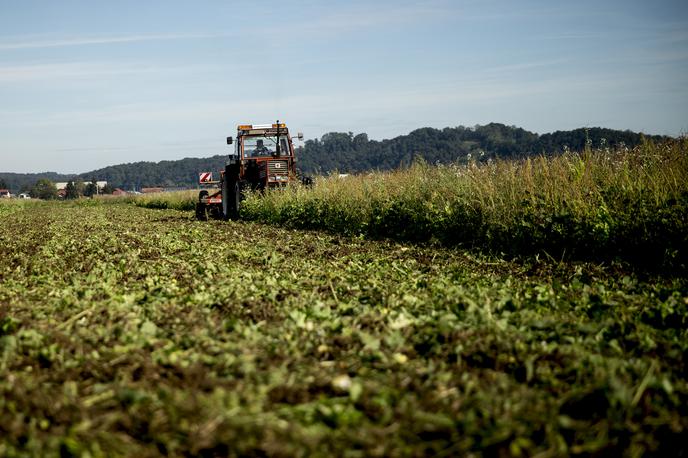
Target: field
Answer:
pixel 136 331
pixel 599 205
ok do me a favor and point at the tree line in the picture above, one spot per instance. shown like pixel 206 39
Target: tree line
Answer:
pixel 45 189
pixel 132 176
pixel 347 152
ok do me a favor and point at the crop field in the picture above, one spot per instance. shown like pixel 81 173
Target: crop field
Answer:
pixel 138 332
pixel 598 205
pixel 595 205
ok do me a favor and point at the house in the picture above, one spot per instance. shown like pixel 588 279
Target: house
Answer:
pixel 119 192
pixel 60 185
pixel 5 193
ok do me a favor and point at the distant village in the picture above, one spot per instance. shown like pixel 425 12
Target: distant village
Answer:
pixel 62 189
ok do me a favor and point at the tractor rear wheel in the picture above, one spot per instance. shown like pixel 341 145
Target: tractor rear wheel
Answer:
pixel 232 199
pixel 201 211
pixel 231 192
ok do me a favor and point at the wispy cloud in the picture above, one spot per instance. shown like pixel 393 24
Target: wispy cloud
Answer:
pixel 70 70
pixel 84 41
pixel 95 148
pixel 512 68
pixel 326 22
pixel 356 17
pixel 573 36
pixel 134 112
pixel 374 17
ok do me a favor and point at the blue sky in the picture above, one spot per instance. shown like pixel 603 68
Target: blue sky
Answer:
pixel 86 84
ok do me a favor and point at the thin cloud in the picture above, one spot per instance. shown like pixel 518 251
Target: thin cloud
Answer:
pixel 374 17
pixel 92 149
pixel 508 69
pixel 125 113
pixel 573 36
pixel 84 41
pixel 357 18
pixel 72 70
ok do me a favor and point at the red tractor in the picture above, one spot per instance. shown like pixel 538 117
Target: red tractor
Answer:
pixel 263 159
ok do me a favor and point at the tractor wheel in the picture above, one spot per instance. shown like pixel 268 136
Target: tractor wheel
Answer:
pixel 233 200
pixel 201 211
pixel 215 211
pixel 231 196
pixel 231 192
pixel 307 181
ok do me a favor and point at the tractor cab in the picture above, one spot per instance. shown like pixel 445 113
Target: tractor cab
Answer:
pixel 263 156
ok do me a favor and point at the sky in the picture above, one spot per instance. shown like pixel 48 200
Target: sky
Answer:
pixel 87 84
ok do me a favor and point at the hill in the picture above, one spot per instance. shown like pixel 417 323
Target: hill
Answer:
pixel 347 152
pixel 182 172
pixel 135 175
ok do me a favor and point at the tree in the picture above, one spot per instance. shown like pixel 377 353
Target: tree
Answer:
pixel 3 185
pixel 74 189
pixel 361 140
pixel 70 191
pixel 91 188
pixel 107 189
pixel 79 187
pixel 44 189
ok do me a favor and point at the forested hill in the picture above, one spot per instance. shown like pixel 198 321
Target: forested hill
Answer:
pixel 347 152
pixel 132 176
pixel 137 175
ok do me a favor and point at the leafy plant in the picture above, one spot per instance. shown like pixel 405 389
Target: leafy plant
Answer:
pixel 136 332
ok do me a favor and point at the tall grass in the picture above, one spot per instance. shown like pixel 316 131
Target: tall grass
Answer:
pixel 630 203
pixel 177 200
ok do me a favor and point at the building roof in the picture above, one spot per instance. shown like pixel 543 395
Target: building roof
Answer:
pixel 63 184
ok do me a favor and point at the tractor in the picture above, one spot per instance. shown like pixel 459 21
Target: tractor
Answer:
pixel 263 159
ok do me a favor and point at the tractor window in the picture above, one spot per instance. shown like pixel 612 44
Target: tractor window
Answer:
pixel 264 146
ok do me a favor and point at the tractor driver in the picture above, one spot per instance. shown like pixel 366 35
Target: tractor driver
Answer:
pixel 260 149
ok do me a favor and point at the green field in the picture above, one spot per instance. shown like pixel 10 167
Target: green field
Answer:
pixel 137 332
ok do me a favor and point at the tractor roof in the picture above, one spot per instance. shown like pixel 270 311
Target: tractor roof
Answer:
pixel 262 129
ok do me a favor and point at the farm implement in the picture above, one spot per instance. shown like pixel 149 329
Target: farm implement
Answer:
pixel 263 159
